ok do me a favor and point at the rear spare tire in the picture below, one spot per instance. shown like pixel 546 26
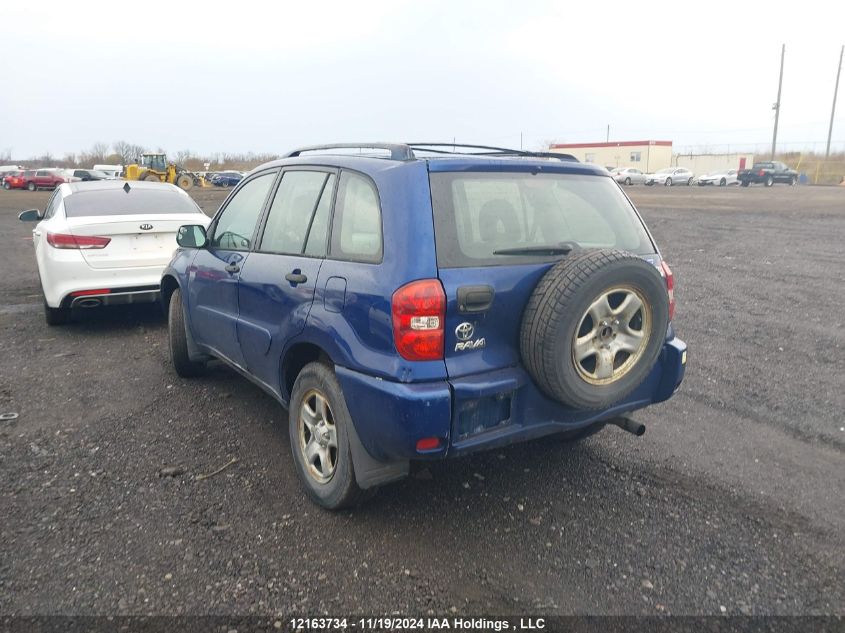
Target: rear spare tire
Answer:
pixel 594 327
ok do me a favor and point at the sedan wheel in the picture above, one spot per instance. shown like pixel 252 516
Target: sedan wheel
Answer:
pixel 689 182
pixel 723 182
pixel 31 186
pixel 668 182
pixel 627 181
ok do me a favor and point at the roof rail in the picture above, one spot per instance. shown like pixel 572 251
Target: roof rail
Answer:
pixel 405 151
pixel 398 151
pixel 488 151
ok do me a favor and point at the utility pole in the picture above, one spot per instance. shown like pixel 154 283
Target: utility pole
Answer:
pixel 833 109
pixel 608 133
pixel 776 106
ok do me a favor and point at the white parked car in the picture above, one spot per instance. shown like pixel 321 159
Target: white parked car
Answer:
pixel 721 177
pixel 628 176
pixel 107 242
pixel 670 176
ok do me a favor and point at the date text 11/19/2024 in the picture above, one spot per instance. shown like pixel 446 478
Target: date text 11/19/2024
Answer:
pixel 419 624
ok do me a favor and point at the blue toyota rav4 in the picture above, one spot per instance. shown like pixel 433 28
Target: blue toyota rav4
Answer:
pixel 416 302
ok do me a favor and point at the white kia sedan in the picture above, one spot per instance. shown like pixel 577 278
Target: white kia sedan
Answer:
pixel 107 242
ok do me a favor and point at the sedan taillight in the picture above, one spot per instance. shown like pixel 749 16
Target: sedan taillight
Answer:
pixel 65 240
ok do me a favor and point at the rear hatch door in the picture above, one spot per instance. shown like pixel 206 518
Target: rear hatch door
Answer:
pixel 489 223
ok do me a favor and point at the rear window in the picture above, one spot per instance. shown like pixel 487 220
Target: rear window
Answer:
pixel 137 202
pixel 479 213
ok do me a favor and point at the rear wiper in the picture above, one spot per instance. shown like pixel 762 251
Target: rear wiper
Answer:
pixel 542 249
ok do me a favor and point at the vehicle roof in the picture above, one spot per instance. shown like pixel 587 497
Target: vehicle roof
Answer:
pixel 105 185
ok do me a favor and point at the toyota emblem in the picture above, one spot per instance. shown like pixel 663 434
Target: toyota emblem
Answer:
pixel 464 331
pixel 146 227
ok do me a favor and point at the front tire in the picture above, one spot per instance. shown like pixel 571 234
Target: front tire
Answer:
pixel 668 182
pixel 318 423
pixel 689 182
pixel 769 181
pixel 723 182
pixel 178 336
pixel 31 186
pixel 744 183
pixel 628 181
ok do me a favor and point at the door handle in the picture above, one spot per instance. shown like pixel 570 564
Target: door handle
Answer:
pixel 233 268
pixel 475 298
pixel 296 277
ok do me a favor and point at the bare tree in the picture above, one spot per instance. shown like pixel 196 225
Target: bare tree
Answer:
pixel 183 156
pixel 6 155
pixel 129 152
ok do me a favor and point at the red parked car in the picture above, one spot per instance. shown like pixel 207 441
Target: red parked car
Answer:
pixel 17 179
pixel 43 179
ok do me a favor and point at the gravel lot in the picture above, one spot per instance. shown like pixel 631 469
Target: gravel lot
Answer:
pixel 732 502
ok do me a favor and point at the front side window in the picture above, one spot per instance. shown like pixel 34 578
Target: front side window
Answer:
pixel 356 234
pixel 293 218
pixel 479 215
pixel 235 227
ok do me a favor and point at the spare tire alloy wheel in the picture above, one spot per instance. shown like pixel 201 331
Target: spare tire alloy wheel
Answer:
pixel 594 327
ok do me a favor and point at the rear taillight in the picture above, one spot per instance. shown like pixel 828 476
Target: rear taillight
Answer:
pixel 419 313
pixel 670 287
pixel 65 240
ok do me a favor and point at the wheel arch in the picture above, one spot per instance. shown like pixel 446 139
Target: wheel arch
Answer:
pixel 295 357
pixel 168 285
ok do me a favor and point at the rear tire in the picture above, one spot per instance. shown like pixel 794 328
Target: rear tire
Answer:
pixel 628 181
pixel 723 182
pixel 178 336
pixel 769 181
pixel 689 182
pixel 317 400
pixel 56 316
pixel 744 183
pixel 667 182
pixel 6 186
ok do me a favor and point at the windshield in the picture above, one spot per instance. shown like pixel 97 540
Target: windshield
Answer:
pixel 102 202
pixel 479 213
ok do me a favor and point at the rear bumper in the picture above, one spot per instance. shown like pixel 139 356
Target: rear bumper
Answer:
pixel 483 411
pixel 66 272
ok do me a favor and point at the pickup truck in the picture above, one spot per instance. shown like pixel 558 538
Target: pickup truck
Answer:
pixel 43 179
pixel 767 173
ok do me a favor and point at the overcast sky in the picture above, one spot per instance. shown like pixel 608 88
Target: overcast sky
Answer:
pixel 265 77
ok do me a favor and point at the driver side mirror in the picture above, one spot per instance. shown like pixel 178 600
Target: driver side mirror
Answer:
pixel 192 236
pixel 30 215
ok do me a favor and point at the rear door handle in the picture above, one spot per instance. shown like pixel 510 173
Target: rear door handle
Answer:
pixel 233 268
pixel 475 298
pixel 296 277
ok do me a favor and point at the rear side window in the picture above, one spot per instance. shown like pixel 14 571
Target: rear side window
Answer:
pixel 299 214
pixel 236 225
pixel 101 202
pixel 479 213
pixel 356 232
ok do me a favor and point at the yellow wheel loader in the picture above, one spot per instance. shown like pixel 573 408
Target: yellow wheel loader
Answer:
pixel 156 167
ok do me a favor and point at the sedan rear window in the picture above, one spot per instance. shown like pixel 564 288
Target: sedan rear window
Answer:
pixel 102 202
pixel 478 214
